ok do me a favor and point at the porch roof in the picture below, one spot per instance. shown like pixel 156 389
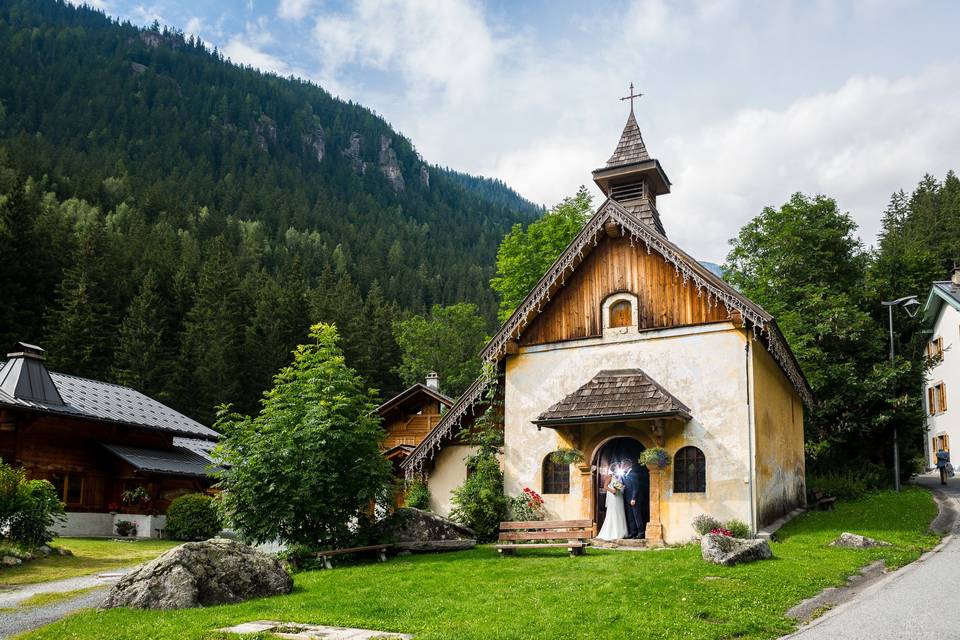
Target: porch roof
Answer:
pixel 614 394
pixel 177 461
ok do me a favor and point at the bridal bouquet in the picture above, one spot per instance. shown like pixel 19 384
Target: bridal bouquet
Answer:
pixel 616 485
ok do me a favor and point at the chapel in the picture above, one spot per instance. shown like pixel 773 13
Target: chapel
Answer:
pixel 628 343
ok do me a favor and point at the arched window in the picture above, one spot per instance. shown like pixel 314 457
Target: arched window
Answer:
pixel 621 314
pixel 556 477
pixel 689 471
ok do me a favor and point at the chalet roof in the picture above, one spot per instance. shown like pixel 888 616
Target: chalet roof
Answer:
pixel 203 448
pixel 411 392
pixel 631 148
pixel 105 402
pixel 693 274
pixel 468 406
pixel 177 461
pixel 614 394
pixel 942 292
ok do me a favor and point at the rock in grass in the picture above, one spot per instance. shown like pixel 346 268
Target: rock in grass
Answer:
pixel 9 561
pixel 199 574
pixel 721 549
pixel 416 530
pixel 849 540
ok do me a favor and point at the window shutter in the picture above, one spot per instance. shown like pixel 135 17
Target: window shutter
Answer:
pixel 931 407
pixel 943 397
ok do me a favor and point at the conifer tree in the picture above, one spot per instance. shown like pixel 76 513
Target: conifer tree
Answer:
pixel 211 343
pixel 142 355
pixel 80 326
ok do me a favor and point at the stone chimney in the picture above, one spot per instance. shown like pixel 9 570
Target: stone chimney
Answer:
pixel 25 377
pixel 433 381
pixel 955 276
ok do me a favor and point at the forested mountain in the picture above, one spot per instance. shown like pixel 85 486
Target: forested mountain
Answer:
pixel 175 222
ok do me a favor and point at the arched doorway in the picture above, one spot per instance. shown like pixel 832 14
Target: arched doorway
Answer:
pixel 611 452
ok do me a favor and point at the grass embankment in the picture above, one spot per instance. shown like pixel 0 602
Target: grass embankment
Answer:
pixel 545 594
pixel 90 555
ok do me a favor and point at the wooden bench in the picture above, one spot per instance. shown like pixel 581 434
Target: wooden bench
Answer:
pixel 823 502
pixel 380 549
pixel 541 534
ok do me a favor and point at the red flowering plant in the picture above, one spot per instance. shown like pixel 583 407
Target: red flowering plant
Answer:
pixel 527 506
pixel 720 531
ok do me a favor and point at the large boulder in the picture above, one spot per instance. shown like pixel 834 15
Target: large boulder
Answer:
pixel 417 530
pixel 199 574
pixel 849 540
pixel 721 549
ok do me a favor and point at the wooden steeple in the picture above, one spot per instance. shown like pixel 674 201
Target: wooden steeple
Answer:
pixel 632 177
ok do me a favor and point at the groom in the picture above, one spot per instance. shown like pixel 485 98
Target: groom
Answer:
pixel 635 489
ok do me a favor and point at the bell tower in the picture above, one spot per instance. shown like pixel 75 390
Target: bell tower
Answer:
pixel 631 176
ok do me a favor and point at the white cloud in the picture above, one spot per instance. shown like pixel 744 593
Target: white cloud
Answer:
pixel 858 144
pixel 194 26
pixel 244 52
pixel 294 9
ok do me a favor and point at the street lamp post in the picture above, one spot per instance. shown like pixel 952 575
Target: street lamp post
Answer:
pixel 910 304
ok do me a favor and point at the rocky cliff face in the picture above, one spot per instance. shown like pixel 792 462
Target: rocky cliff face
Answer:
pixel 353 153
pixel 315 143
pixel 425 177
pixel 266 131
pixel 389 165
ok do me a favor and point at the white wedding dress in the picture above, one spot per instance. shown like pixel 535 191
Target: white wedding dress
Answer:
pixel 615 523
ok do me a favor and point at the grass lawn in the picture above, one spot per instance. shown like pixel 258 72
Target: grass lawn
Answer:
pixel 90 555
pixel 545 594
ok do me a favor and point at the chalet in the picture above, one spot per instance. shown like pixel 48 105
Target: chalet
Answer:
pixel 94 441
pixel 409 416
pixel 942 317
pixel 628 343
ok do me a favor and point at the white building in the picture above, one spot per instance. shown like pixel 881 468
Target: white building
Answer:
pixel 942 313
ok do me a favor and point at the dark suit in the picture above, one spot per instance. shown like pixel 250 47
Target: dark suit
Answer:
pixel 636 488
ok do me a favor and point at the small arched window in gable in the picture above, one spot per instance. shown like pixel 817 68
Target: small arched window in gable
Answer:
pixel 689 471
pixel 621 314
pixel 556 476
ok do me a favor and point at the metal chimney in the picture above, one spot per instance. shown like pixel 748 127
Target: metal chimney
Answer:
pixel 25 377
pixel 433 381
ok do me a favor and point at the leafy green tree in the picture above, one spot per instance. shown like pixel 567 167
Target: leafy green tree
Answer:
pixel 446 341
pixel 803 263
pixel 309 464
pixel 526 254
pixel 142 359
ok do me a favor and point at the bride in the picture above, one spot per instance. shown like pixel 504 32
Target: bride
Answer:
pixel 615 523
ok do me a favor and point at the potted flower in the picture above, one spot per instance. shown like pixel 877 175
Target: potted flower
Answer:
pixel 655 458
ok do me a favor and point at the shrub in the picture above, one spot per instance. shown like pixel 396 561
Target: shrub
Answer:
pixel 39 510
pixel 193 516
pixel 737 528
pixel 850 484
pixel 480 503
pixel 527 506
pixel 704 524
pixel 28 508
pixel 418 495
pixel 126 528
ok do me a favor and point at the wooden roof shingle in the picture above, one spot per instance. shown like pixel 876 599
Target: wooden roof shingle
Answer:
pixel 614 394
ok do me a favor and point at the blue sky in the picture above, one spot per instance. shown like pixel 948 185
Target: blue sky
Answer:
pixel 745 102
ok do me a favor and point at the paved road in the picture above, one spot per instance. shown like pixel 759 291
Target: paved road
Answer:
pixel 26 618
pixel 919 601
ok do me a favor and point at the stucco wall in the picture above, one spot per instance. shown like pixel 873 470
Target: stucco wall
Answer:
pixel 448 473
pixel 947 370
pixel 778 420
pixel 703 366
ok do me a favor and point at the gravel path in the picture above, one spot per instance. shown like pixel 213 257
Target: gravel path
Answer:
pixel 26 618
pixel 918 601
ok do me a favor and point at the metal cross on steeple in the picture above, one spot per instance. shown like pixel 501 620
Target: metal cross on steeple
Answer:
pixel 631 97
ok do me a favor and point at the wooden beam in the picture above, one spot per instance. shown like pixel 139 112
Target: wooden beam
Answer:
pixel 512 347
pixel 612 229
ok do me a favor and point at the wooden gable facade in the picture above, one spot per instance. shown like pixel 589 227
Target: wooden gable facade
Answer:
pixel 408 417
pixel 618 265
